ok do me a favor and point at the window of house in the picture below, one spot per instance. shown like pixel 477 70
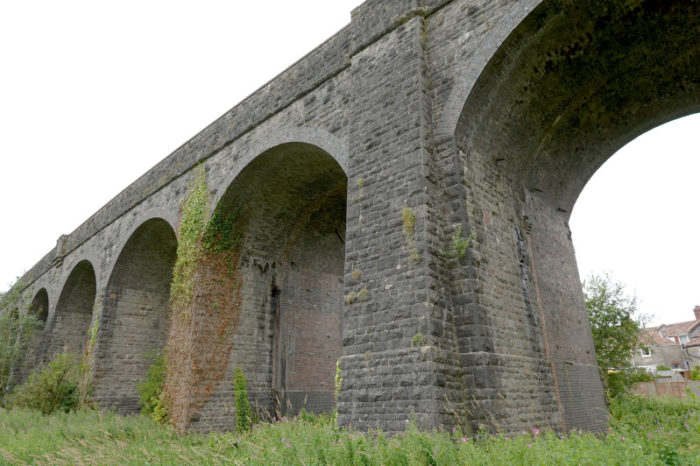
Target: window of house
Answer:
pixel 646 352
pixel 684 339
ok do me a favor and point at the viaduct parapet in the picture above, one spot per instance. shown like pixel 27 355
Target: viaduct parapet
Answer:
pixel 397 201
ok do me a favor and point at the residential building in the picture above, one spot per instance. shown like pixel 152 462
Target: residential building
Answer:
pixel 676 346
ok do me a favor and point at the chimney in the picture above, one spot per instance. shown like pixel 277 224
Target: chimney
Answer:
pixel 697 312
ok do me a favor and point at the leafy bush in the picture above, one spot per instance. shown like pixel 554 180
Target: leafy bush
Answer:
pixel 150 390
pixel 661 367
pixel 53 388
pixel 240 391
pixel 695 373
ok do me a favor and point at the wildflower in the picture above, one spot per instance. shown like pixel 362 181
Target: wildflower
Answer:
pixel 523 432
pixel 507 438
pixel 535 431
pixel 288 445
pixel 580 432
pixel 561 437
pixel 529 445
pixel 465 439
pixel 622 438
pixel 649 436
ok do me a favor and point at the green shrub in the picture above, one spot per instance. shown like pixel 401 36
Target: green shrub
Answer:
pixel 53 388
pixel 695 373
pixel 150 390
pixel 240 391
pixel 661 367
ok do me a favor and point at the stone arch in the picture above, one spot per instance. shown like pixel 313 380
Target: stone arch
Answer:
pixel 327 142
pixel 134 318
pixel 564 88
pixel 168 215
pixel 289 203
pixel 468 72
pixel 68 329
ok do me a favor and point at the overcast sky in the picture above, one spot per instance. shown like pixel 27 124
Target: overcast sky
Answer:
pixel 94 93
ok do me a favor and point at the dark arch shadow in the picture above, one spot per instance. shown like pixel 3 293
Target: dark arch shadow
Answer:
pixel 68 330
pixel 134 320
pixel 39 306
pixel 290 209
pixel 572 83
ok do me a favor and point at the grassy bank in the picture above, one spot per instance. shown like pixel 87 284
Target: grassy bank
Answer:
pixel 642 431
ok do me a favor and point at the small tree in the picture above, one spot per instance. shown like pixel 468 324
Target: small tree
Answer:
pixel 240 392
pixel 53 388
pixel 616 332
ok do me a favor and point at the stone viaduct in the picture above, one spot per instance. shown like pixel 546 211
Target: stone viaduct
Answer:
pixel 327 218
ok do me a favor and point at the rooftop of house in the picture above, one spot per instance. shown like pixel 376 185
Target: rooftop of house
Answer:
pixel 669 334
pixel 651 336
pixel 677 329
pixel 693 342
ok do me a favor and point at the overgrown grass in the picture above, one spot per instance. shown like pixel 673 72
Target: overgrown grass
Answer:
pixel 642 431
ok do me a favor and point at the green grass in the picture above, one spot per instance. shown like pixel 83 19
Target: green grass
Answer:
pixel 642 431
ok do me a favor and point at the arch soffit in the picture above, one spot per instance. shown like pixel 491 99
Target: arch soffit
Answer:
pixel 31 292
pixel 467 74
pixel 91 260
pixel 88 257
pixel 169 216
pixel 322 139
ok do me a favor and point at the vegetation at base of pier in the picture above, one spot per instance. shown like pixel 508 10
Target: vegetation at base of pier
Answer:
pixel 16 328
pixel 87 365
pixel 642 431
pixel 54 387
pixel 151 389
pixel 244 415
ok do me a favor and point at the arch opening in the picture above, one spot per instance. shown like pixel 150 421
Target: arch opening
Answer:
pixel 134 321
pixel 69 328
pixel 572 84
pixel 39 306
pixel 290 268
pixel 611 226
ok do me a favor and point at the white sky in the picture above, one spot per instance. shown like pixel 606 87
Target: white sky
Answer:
pixel 94 93
pixel 638 218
